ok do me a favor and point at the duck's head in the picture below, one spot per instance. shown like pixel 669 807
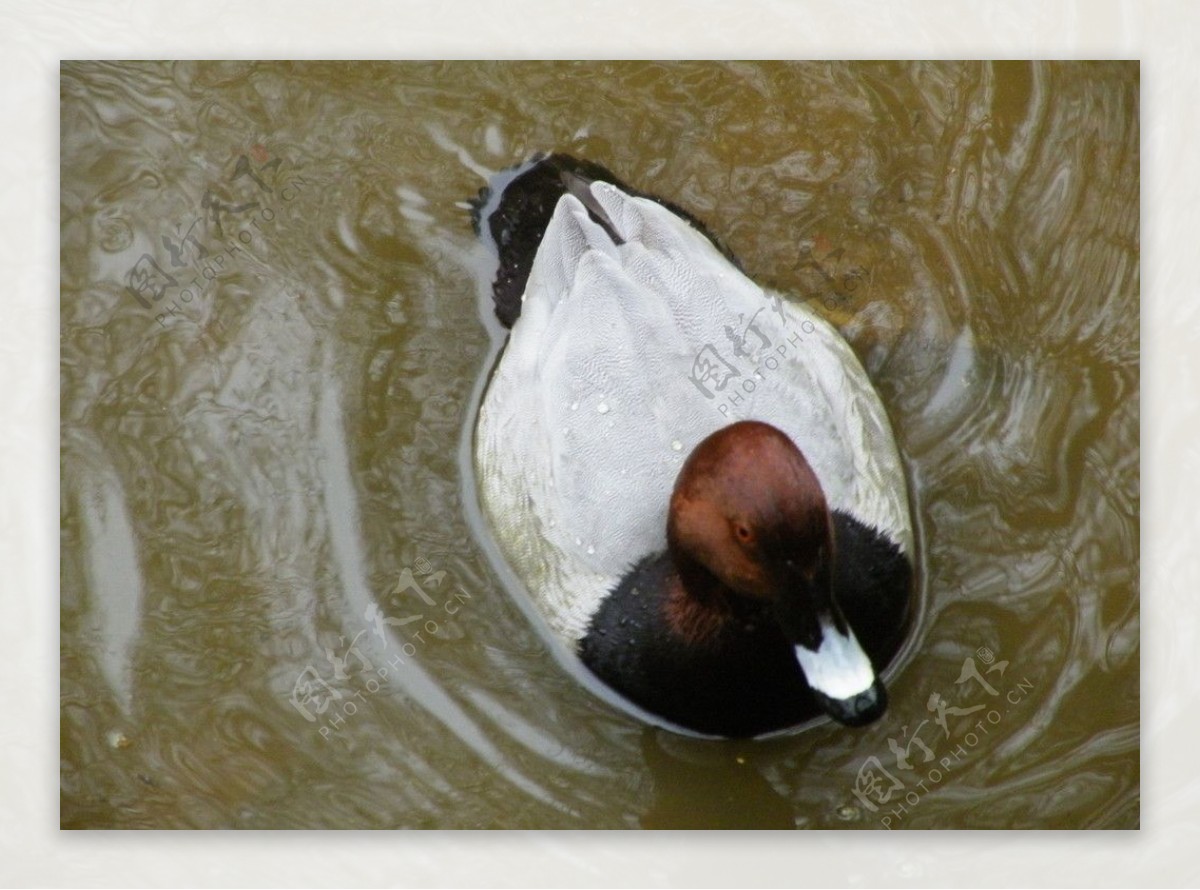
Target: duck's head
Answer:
pixel 748 519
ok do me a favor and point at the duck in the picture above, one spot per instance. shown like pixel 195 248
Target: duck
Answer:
pixel 691 475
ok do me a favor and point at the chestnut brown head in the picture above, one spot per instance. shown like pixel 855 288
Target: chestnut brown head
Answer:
pixel 748 518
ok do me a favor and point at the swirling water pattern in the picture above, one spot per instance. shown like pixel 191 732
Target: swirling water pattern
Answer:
pixel 277 610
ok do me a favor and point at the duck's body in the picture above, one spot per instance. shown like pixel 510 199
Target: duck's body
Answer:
pixel 636 340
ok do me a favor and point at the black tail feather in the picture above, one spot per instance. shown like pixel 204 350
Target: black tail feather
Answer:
pixel 515 208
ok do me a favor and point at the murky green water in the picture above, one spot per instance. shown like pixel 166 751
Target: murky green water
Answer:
pixel 275 609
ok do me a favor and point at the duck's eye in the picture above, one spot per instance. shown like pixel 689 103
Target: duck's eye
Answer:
pixel 743 533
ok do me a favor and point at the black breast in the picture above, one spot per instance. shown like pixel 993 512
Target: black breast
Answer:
pixel 744 680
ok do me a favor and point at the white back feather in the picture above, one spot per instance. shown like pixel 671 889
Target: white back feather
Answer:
pixel 598 399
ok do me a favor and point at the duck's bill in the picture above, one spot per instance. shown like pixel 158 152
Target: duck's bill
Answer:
pixel 842 678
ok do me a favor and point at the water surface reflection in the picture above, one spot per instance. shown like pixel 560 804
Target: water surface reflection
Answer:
pixel 275 609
